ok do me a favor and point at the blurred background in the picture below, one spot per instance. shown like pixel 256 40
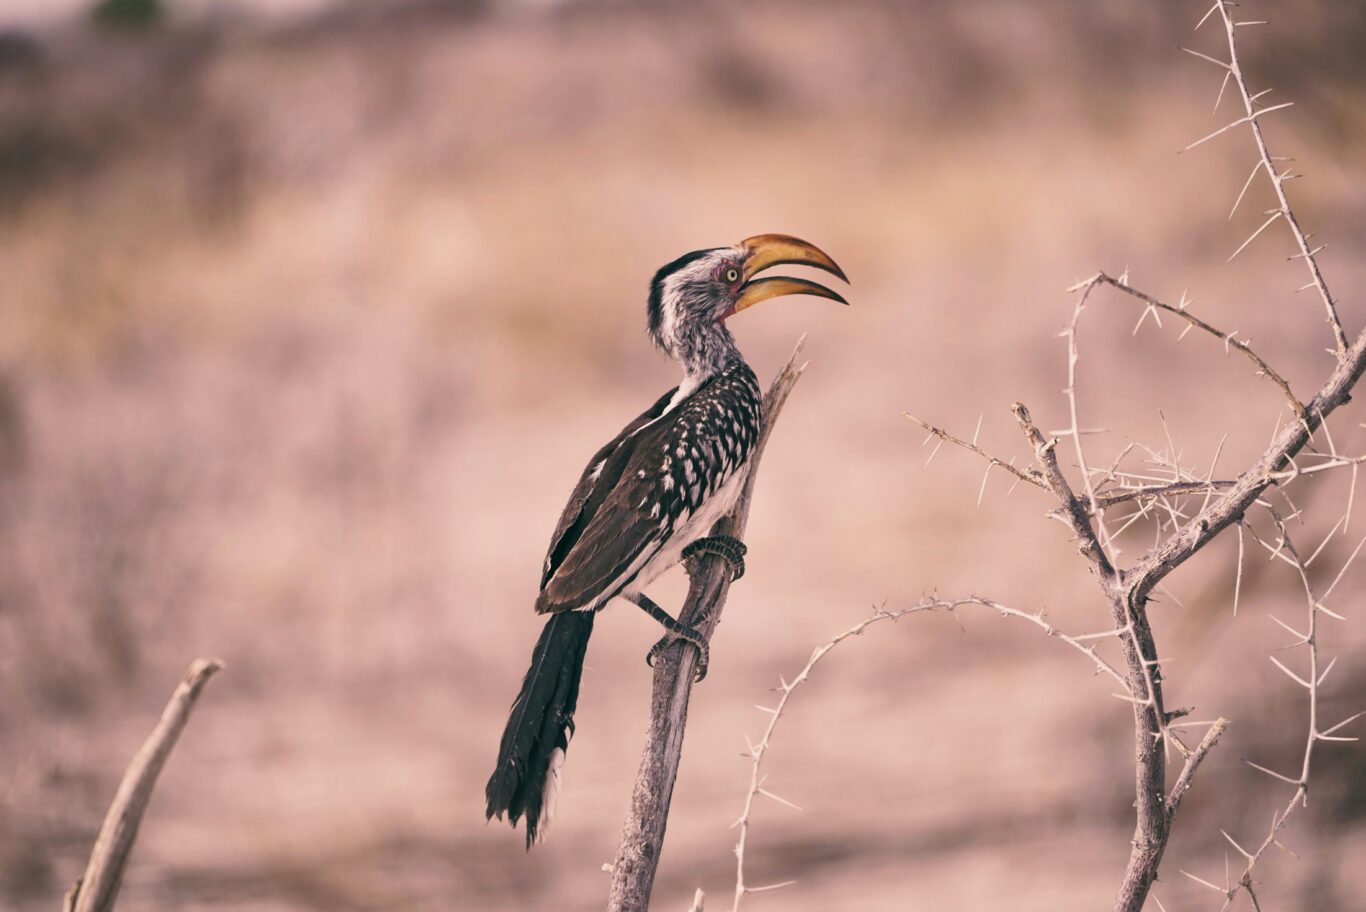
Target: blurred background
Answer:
pixel 311 313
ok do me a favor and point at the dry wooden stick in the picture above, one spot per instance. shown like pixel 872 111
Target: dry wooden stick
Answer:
pixel 642 837
pixel 98 889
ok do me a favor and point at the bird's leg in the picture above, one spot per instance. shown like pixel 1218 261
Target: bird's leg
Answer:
pixel 677 631
pixel 730 549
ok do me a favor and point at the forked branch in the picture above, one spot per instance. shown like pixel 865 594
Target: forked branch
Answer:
pixel 1167 495
pixel 1182 533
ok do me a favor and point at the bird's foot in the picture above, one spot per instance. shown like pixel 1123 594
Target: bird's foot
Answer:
pixel 726 547
pixel 688 635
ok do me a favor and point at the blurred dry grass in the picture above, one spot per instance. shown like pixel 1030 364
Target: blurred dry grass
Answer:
pixel 306 329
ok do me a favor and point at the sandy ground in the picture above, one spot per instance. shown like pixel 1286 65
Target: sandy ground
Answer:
pixel 306 330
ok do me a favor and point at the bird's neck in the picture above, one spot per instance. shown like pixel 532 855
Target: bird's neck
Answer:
pixel 705 352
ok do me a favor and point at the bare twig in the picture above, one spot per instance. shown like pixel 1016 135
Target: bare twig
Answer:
pixel 642 837
pixel 1031 476
pixel 1189 535
pixel 1104 499
pixel 1073 358
pixel 1310 682
pixel 1074 511
pixel 1193 761
pixel 1278 179
pixel 1230 339
pixel 1249 486
pixel 786 688
pixel 98 889
pixel 1116 496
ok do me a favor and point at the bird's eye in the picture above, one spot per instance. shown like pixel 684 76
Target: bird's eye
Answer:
pixel 732 274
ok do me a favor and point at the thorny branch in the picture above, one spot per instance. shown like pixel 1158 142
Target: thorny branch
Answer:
pixel 1266 162
pixel 1180 531
pixel 1230 339
pixel 1140 653
pixel 1164 495
pixel 1074 511
pixel 1031 476
pixel 756 752
pixel 1105 498
pixel 1310 681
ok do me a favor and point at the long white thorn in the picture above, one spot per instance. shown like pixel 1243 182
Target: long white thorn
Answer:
pixel 1275 775
pixel 1294 677
pixel 1242 193
pixel 778 798
pixel 1343 572
pixel 767 887
pixel 1345 722
pixel 1237 123
pixel 1265 225
pixel 1233 842
pixel 1300 638
pixel 1201 880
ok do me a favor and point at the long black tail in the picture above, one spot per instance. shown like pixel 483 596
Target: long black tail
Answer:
pixel 526 780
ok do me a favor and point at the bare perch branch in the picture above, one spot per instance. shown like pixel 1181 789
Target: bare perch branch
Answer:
pixel 98 888
pixel 642 838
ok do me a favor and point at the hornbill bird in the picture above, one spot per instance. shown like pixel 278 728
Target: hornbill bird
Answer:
pixel 647 500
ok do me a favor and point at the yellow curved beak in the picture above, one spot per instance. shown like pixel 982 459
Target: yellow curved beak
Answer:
pixel 768 250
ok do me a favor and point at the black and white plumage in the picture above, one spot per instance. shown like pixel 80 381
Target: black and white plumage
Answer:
pixel 657 487
pixel 652 491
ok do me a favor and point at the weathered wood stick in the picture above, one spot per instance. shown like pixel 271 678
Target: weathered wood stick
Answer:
pixel 642 838
pixel 98 888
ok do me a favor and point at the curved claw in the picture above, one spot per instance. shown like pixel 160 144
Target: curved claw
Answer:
pixel 726 547
pixel 703 659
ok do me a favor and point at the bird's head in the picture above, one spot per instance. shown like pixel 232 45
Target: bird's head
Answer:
pixel 691 297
